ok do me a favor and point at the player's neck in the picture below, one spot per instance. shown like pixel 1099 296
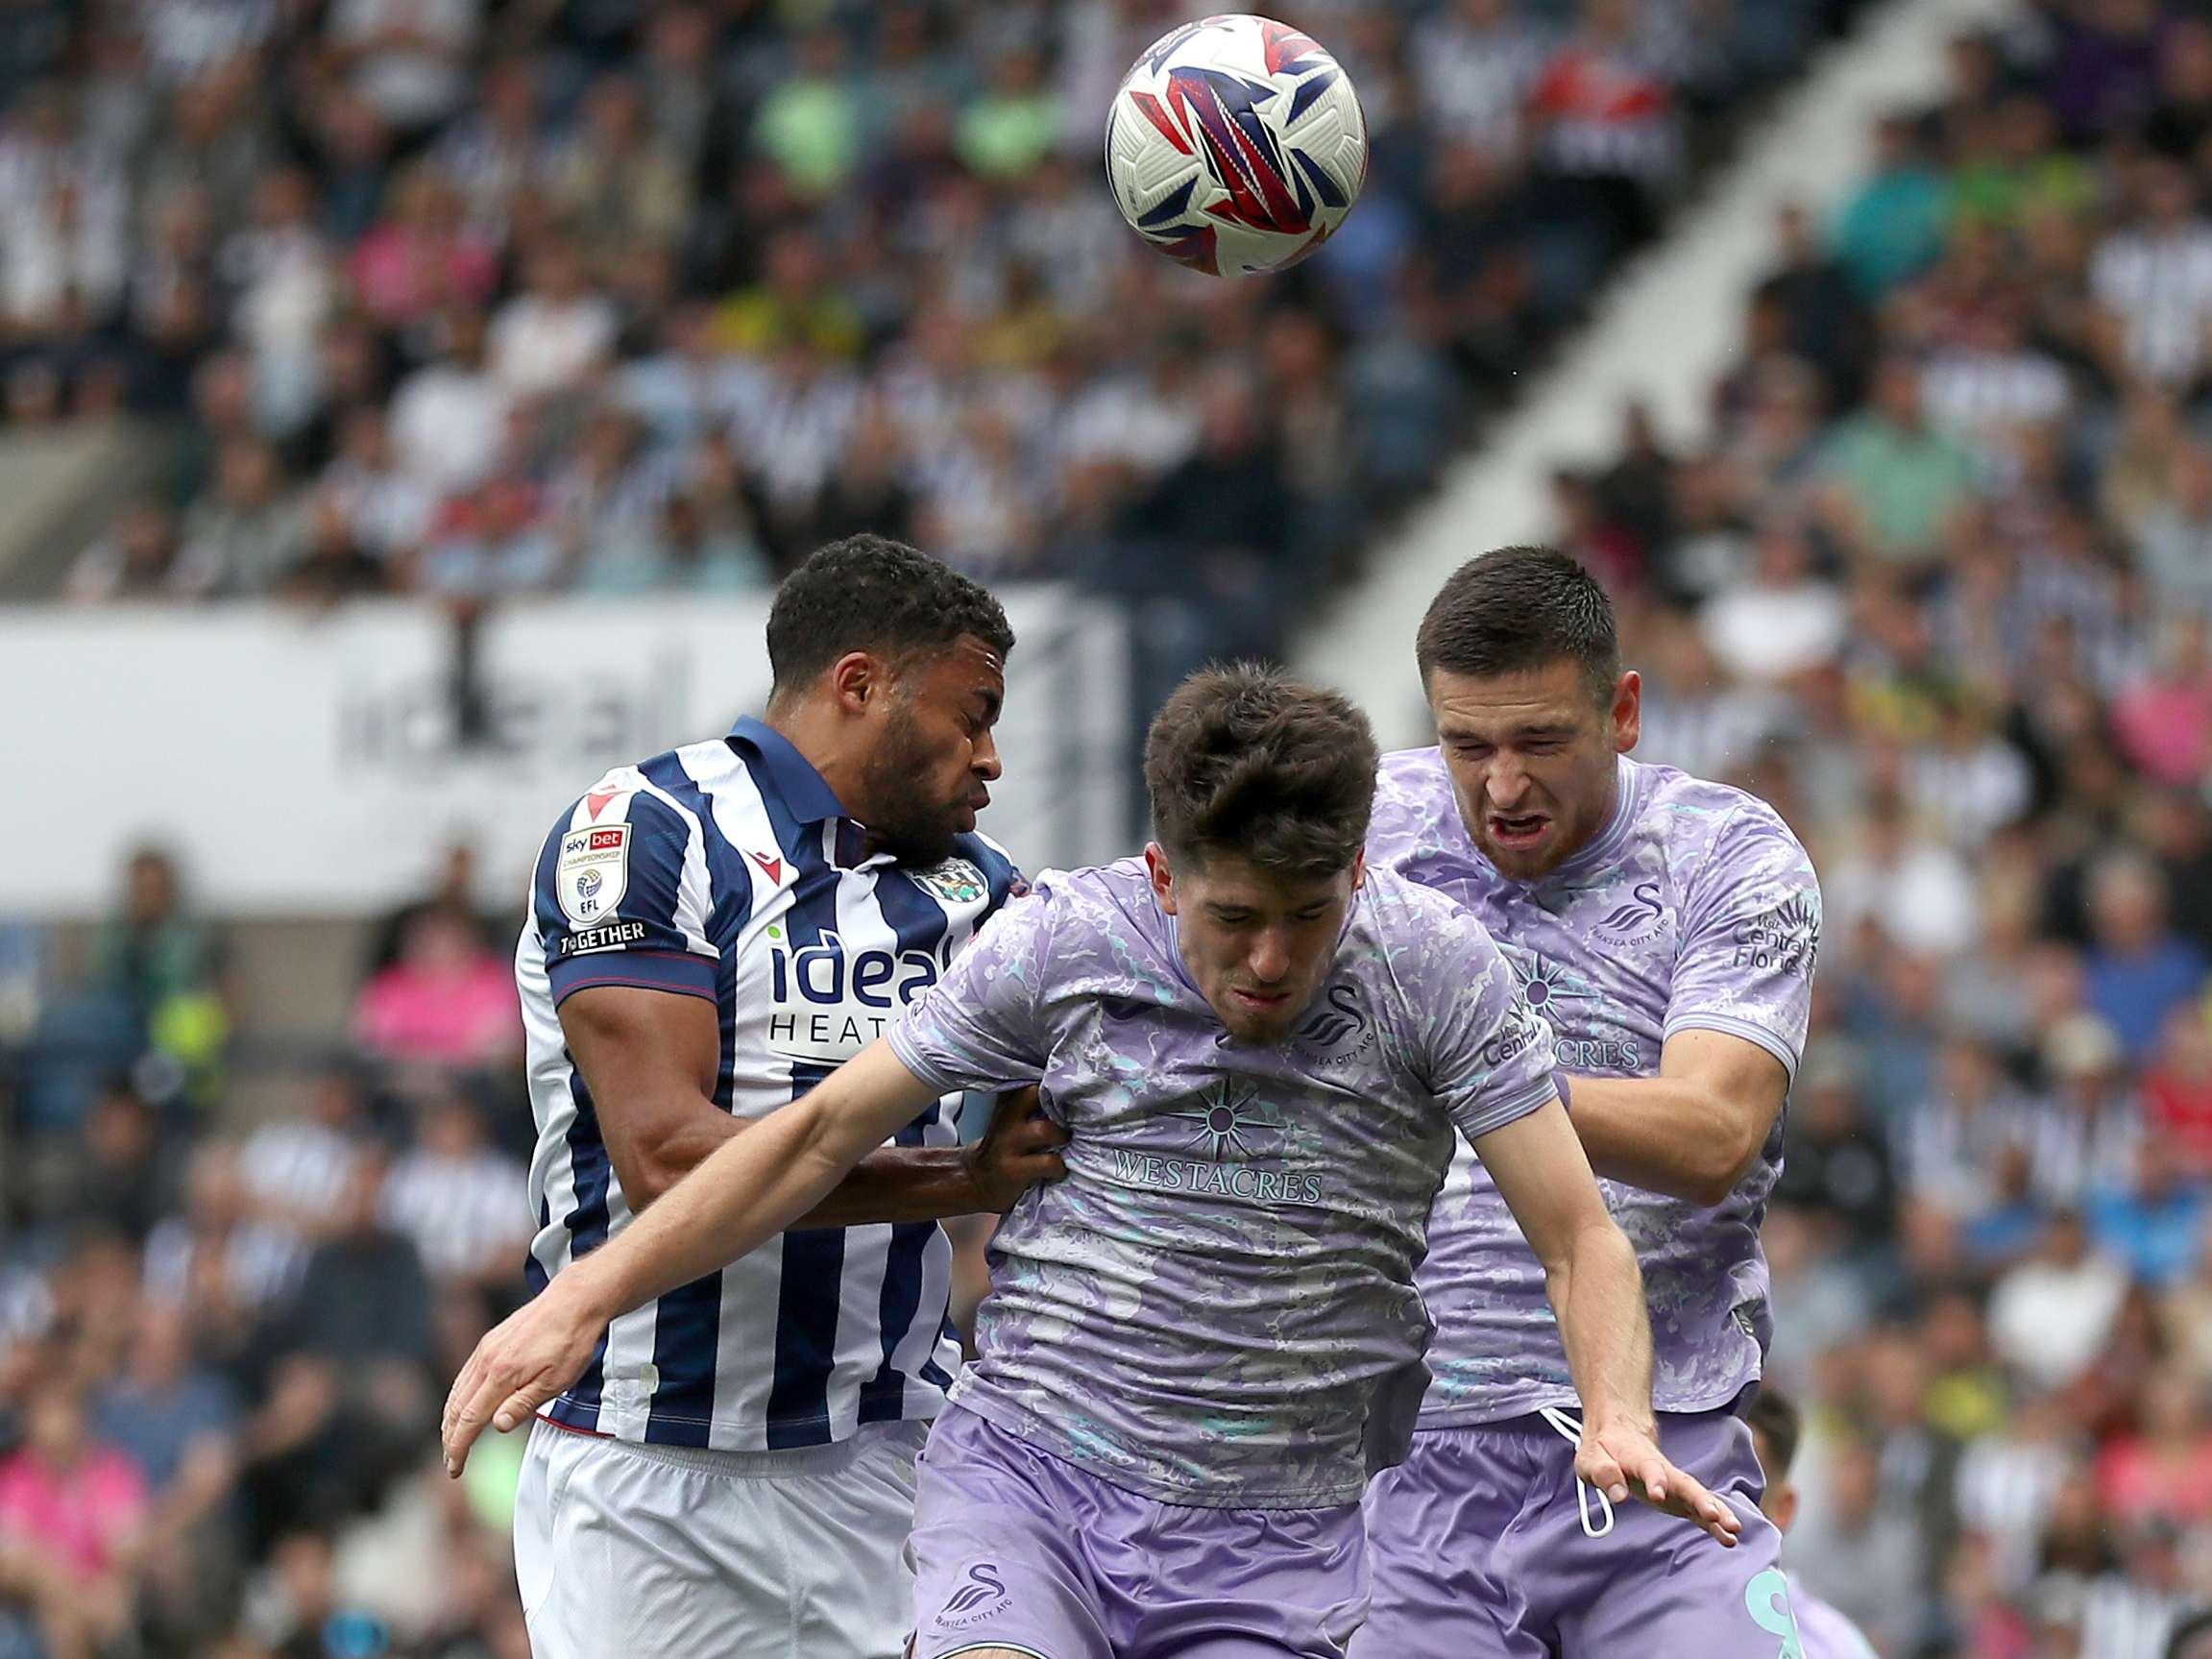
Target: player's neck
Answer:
pixel 824 737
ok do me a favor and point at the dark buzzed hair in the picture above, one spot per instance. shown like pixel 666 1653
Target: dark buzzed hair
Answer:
pixel 870 594
pixel 1244 760
pixel 1773 1417
pixel 1519 610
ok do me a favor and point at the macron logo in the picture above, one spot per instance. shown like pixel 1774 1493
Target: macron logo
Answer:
pixel 771 867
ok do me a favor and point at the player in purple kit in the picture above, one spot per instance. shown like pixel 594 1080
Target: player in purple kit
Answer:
pixel 1198 1344
pixel 1666 928
pixel 1822 1631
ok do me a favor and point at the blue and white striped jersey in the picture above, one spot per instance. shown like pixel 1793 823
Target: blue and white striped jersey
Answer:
pixel 727 870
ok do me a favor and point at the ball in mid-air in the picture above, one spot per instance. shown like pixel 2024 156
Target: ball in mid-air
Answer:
pixel 1236 145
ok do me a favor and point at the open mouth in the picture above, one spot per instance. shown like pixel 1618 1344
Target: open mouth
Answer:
pixel 1518 829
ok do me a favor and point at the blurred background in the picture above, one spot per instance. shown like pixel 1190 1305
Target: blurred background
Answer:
pixel 407 407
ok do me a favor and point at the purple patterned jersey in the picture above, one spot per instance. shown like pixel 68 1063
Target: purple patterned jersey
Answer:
pixel 1205 1309
pixel 1694 907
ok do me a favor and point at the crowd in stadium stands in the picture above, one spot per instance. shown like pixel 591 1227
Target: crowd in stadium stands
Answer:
pixel 618 296
pixel 622 295
pixel 1939 586
pixel 221 1354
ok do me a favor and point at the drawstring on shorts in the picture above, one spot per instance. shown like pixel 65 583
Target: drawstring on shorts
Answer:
pixel 1571 1431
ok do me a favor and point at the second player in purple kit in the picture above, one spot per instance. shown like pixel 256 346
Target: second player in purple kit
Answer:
pixel 1666 928
pixel 1197 1345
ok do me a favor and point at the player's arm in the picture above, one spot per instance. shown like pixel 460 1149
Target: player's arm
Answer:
pixel 650 1059
pixel 1693 1130
pixel 1596 1291
pixel 747 1191
pixel 1737 1013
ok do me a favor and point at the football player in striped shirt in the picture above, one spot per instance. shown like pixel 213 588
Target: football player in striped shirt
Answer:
pixel 1200 1343
pixel 711 932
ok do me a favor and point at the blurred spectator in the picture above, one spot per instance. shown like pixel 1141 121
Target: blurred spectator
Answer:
pixel 2152 283
pixel 449 421
pixel 618 186
pixel 1860 1554
pixel 447 1000
pixel 1785 620
pixel 2138 970
pixel 2049 1318
pixel 133 560
pixel 465 1207
pixel 2177 1093
pixel 556 331
pixel 249 531
pixel 2156 1227
pixel 177 1420
pixel 72 1520
pixel 1012 124
pixel 297 1168
pixel 1898 483
pixel 1892 227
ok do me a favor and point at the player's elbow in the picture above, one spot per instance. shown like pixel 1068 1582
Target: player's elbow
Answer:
pixel 1727 1159
pixel 649 1165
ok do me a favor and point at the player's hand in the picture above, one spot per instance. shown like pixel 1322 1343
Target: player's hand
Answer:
pixel 1622 1459
pixel 1020 1148
pixel 524 1360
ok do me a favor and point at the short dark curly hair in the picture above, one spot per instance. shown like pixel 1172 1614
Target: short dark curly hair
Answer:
pixel 871 594
pixel 1247 761
pixel 1518 610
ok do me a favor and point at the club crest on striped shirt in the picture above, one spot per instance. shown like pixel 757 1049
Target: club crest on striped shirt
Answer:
pixel 956 881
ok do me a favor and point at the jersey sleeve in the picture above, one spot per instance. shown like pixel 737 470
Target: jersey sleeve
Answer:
pixel 620 895
pixel 980 1026
pixel 1489 1053
pixel 1750 937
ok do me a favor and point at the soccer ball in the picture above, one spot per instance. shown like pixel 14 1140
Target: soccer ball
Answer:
pixel 1236 145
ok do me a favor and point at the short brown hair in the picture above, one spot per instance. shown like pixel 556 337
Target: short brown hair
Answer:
pixel 1773 1418
pixel 1244 760
pixel 1519 610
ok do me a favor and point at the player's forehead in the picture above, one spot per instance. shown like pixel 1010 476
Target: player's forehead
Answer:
pixel 1554 696
pixel 1229 880
pixel 967 671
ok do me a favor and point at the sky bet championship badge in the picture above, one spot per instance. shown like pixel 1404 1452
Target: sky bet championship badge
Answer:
pixel 594 872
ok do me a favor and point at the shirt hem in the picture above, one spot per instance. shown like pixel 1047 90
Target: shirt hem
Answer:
pixel 1025 1425
pixel 1563 1398
pixel 922 1401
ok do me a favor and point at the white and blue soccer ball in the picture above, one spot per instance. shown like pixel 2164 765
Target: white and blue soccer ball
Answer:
pixel 1236 145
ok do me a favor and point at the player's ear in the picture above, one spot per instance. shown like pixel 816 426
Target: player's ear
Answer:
pixel 857 679
pixel 1781 1506
pixel 1162 878
pixel 1359 869
pixel 1627 712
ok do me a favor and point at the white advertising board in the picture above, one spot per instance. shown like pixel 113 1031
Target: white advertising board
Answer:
pixel 316 765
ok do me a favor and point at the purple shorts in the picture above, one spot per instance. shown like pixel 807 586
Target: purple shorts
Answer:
pixel 1477 1547
pixel 1015 1547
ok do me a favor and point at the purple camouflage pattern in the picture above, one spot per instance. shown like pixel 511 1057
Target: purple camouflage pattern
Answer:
pixel 1694 907
pixel 1202 1311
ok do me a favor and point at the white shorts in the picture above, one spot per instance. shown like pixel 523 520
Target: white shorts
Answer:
pixel 661 1553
